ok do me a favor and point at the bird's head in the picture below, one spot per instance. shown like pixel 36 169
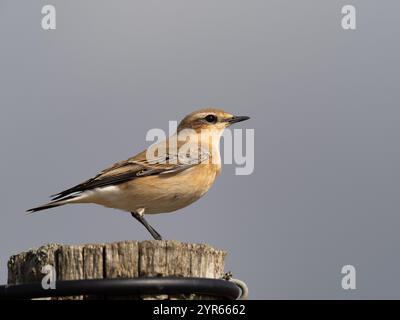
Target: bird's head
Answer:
pixel 209 119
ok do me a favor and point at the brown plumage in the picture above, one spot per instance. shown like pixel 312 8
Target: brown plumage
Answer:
pixel 167 181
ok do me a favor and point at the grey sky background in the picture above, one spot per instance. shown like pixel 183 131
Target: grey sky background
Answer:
pixel 324 104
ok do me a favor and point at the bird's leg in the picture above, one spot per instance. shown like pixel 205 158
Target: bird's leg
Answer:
pixel 139 216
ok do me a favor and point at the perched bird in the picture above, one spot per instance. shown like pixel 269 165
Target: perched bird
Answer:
pixel 168 176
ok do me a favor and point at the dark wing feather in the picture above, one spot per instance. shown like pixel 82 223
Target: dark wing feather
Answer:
pixel 103 180
pixel 133 168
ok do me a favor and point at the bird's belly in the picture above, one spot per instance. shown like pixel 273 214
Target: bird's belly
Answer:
pixel 158 194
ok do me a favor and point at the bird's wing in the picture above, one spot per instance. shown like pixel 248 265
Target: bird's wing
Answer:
pixel 137 167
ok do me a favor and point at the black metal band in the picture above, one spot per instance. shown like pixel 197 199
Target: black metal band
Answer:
pixel 222 289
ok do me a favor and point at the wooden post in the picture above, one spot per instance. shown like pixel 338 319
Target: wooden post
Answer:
pixel 128 259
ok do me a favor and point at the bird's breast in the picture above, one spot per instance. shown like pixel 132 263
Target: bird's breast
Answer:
pixel 176 191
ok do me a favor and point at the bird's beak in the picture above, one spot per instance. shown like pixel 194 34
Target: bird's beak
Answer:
pixel 236 119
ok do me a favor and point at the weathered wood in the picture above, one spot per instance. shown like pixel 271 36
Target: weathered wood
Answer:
pixel 122 260
pixel 127 259
pixel 27 266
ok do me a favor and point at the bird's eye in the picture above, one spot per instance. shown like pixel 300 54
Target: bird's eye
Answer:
pixel 211 118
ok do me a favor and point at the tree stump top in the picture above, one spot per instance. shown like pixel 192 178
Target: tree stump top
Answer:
pixel 125 259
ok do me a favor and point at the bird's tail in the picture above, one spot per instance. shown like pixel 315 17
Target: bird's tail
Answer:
pixel 51 204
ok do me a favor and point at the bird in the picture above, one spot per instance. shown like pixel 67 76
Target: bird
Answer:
pixel 168 176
